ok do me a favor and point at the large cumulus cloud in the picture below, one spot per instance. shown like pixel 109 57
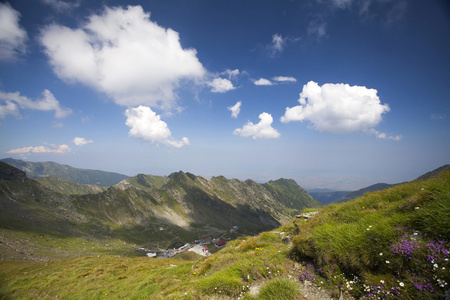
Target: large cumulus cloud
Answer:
pixel 339 108
pixel 123 54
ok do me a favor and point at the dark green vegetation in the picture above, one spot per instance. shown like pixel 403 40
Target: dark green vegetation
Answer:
pixel 142 211
pixel 392 244
pixel 81 176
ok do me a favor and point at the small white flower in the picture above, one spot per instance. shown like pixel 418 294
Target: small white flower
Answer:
pixel 381 281
pixel 381 253
pixel 388 262
pixel 417 207
pixel 401 284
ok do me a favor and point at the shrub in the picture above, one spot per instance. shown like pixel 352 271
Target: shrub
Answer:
pixel 279 289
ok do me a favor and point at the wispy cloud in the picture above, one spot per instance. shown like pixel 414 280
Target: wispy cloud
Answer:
pixel 279 44
pixel 284 79
pixel 49 148
pixel 62 6
pixel 262 130
pixel 12 36
pixel 11 103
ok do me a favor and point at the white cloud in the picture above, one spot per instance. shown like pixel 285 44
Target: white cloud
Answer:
pixel 235 109
pixel 221 85
pixel 12 36
pixel 146 125
pixel 123 54
pixel 10 103
pixel 284 79
pixel 231 73
pixel 278 42
pixel 79 141
pixel 262 130
pixel 382 135
pixel 338 108
pixel 262 81
pixel 50 148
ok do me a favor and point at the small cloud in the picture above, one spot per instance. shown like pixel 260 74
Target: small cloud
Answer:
pixel 342 3
pixel 85 120
pixel 50 148
pixel 231 73
pixel 339 108
pixel 57 125
pixel 263 129
pixel 12 36
pixel 317 29
pixel 262 81
pixel 79 141
pixel 284 79
pixel 278 43
pixel 221 85
pixel 382 135
pixel 235 109
pixel 146 125
pixel 12 101
pixel 438 117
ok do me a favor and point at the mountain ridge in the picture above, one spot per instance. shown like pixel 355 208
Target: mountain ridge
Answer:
pixel 184 205
pixel 66 172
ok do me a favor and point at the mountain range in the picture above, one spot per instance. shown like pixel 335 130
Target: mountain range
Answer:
pixel 76 175
pixel 146 209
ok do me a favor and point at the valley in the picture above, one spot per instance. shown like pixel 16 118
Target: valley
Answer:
pixel 183 236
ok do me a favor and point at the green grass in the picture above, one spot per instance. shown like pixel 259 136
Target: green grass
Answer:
pixel 279 289
pixel 392 243
pixel 384 238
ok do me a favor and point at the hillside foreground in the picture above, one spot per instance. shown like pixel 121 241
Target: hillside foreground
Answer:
pixel 392 244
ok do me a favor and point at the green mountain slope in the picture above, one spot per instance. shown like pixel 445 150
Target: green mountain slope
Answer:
pixel 68 187
pixel 135 210
pixel 394 243
pixel 81 176
pixel 390 244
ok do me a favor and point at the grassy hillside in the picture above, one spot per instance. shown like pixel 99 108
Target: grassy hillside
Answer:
pixel 76 175
pixel 69 188
pixel 392 244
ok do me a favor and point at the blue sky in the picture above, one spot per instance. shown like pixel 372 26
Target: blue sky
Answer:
pixel 332 93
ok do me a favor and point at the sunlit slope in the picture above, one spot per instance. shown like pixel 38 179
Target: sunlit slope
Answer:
pixel 391 242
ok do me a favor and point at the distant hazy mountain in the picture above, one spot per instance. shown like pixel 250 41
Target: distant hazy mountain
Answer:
pixel 361 192
pixel 326 196
pixel 383 186
pixel 433 173
pixel 81 176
